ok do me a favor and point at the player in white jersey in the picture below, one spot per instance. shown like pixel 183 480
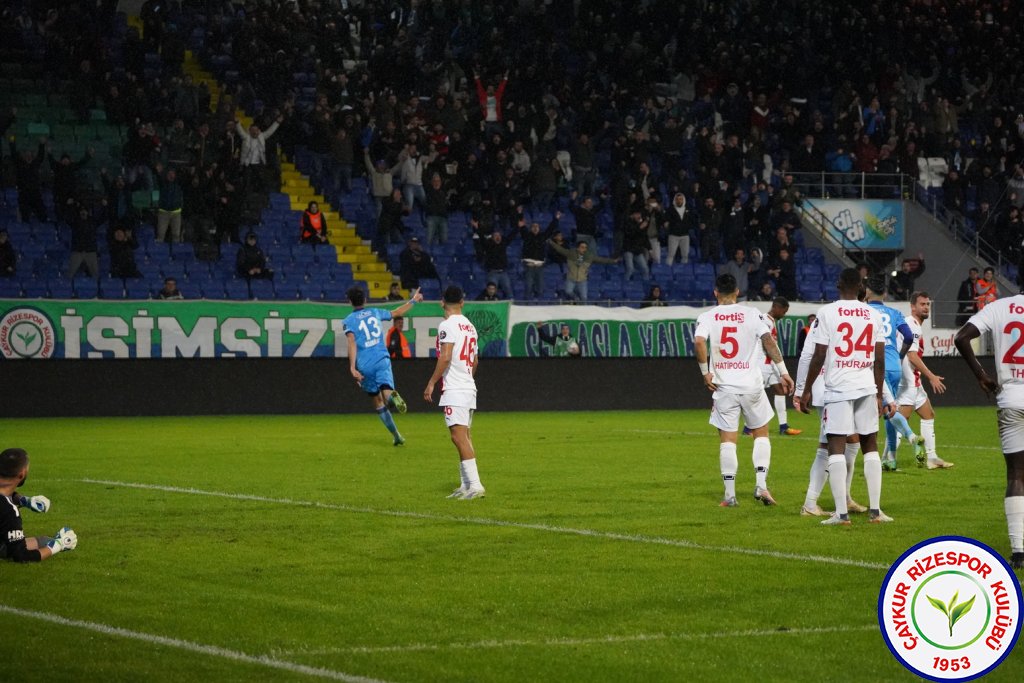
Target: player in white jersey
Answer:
pixel 849 344
pixel 738 337
pixel 772 380
pixel 456 368
pixel 912 396
pixel 1004 319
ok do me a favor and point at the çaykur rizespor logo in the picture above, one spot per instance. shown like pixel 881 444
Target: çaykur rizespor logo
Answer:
pixel 949 609
pixel 26 333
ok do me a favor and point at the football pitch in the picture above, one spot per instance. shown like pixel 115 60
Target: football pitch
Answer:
pixel 302 547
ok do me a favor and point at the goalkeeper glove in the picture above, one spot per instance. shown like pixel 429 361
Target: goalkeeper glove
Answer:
pixel 66 539
pixel 35 503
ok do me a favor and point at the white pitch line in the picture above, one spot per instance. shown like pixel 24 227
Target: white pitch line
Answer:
pixel 198 648
pixel 557 642
pixel 483 521
pixel 710 434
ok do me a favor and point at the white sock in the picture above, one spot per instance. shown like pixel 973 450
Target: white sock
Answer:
pixel 873 476
pixel 928 434
pixel 819 473
pixel 729 464
pixel 1015 522
pixel 462 476
pixel 837 480
pixel 780 410
pixel 762 460
pixel 851 465
pixel 470 475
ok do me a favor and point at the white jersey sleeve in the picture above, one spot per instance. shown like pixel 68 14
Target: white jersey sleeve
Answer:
pixel 1004 320
pixel 458 387
pixel 735 351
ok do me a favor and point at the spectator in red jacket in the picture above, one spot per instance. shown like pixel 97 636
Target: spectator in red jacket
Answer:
pixel 490 104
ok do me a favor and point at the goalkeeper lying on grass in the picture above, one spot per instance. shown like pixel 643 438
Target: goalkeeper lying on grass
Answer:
pixel 13 544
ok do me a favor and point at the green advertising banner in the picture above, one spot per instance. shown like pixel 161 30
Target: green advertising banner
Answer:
pixel 47 328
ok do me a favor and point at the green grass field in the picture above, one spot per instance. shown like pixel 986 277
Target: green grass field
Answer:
pixel 286 548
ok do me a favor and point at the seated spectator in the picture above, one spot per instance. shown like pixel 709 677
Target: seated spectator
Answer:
pixel 251 262
pixel 415 264
pixel 986 289
pixel 8 259
pixel 122 254
pixel 314 225
pixel 395 293
pixel 397 344
pixel 786 218
pixel 765 293
pixel 901 286
pixel 654 298
pixel 170 290
pixel 489 293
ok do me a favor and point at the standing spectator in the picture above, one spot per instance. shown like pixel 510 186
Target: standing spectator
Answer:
pixel 634 245
pixel 122 254
pixel 8 259
pixel 415 265
pixel 653 218
pixel 314 225
pixel 710 227
pixel 901 286
pixel 967 304
pixel 398 345
pixel 586 221
pixel 578 268
pixel 436 209
pixel 65 182
pixel 169 209
pixel 343 156
pixel 679 220
pixel 545 184
pixel 533 254
pixel 411 165
pixel 490 104
pixel 783 269
pixel 83 243
pixel 253 155
pixel 381 180
pixel 986 290
pixel 389 223
pixel 26 176
pixel 170 290
pixel 738 267
pixel 779 242
pixel 494 256
pixel 251 262
pixel 734 227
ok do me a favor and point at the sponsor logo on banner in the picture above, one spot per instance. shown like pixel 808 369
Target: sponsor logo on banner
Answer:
pixel 26 333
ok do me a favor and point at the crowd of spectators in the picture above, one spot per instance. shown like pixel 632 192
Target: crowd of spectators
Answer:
pixel 693 124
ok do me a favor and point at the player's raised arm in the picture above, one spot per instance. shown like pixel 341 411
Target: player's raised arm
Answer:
pixel 444 359
pixel 700 348
pixel 404 308
pixel 963 339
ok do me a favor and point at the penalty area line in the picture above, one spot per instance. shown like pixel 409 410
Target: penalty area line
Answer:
pixel 572 642
pixel 713 434
pixel 189 646
pixel 484 521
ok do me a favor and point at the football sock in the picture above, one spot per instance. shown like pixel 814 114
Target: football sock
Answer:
pixel 385 416
pixel 762 459
pixel 469 474
pixel 819 472
pixel 729 464
pixel 1015 522
pixel 837 481
pixel 901 424
pixel 873 476
pixel 890 437
pixel 780 410
pixel 851 464
pixel 462 476
pixel 928 434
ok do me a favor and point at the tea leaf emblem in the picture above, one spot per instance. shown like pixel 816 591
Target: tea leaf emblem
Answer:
pixel 954 612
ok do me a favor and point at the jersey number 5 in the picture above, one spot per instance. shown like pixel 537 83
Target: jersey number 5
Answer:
pixel 468 352
pixel 863 343
pixel 1011 357
pixel 728 346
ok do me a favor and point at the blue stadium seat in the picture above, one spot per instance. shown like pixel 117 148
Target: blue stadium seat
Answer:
pixel 236 289
pixel 262 289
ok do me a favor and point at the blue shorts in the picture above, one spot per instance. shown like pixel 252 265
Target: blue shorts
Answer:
pixel 893 379
pixel 377 376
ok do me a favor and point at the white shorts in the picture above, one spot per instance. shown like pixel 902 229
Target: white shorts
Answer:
pixel 1011 429
pixel 771 375
pixel 856 416
pixel 725 412
pixel 912 396
pixel 457 415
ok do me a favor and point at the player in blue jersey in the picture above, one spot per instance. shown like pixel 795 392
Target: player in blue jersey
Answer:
pixel 894 327
pixel 368 358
